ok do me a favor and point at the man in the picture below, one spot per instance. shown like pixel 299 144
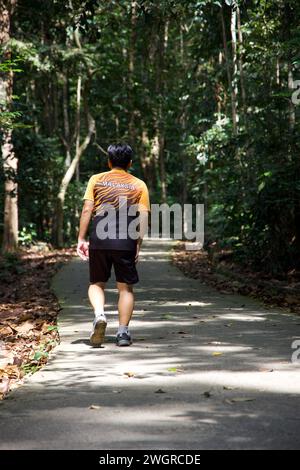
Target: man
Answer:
pixel 110 244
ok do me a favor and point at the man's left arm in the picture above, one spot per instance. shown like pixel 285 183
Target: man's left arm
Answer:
pixel 144 209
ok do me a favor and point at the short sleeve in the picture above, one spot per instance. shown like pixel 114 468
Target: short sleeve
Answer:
pixel 144 202
pixel 89 192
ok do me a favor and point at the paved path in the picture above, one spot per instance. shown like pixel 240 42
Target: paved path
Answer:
pixel 179 325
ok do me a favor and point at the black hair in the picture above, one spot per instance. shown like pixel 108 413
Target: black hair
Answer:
pixel 120 155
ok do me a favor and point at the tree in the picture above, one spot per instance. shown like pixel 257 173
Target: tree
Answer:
pixel 10 162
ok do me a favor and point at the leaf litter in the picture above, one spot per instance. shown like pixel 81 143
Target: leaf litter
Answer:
pixel 28 313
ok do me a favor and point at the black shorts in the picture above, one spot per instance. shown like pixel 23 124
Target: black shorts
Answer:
pixel 101 262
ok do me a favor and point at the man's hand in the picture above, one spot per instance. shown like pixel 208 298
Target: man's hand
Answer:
pixel 83 249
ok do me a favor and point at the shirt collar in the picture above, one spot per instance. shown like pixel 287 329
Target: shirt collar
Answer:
pixel 118 170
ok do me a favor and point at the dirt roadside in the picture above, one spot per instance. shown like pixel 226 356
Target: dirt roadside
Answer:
pixel 28 312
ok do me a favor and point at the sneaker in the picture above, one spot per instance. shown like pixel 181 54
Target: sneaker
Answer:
pixel 98 333
pixel 123 340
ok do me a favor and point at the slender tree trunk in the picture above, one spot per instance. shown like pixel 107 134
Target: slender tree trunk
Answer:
pixel 218 91
pixel 148 156
pixel 159 139
pixel 33 100
pixel 131 66
pixel 67 135
pixel 292 114
pixel 234 63
pixel 79 149
pixel 229 75
pixel 146 160
pixel 277 71
pixel 10 162
pixel 241 68
pixel 183 118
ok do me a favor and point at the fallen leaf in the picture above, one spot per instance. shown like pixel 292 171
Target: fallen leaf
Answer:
pixel 129 374
pixel 175 369
pixel 12 371
pixel 168 317
pixel 217 353
pixel 25 327
pixel 238 400
pixel 6 331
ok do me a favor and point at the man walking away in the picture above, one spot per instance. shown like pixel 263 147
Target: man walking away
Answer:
pixel 113 189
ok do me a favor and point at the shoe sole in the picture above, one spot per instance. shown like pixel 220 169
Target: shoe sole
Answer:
pixel 123 343
pixel 97 337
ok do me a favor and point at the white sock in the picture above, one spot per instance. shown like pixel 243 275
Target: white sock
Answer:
pixel 100 315
pixel 123 329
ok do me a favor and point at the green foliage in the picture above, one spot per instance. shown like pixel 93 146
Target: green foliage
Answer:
pixel 248 178
pixel 9 117
pixel 27 235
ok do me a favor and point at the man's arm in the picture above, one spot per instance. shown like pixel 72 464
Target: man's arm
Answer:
pixel 144 210
pixel 86 214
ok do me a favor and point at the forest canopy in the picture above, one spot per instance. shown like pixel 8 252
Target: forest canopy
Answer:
pixel 201 89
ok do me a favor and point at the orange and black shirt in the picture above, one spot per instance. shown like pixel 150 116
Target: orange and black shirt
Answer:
pixel 113 189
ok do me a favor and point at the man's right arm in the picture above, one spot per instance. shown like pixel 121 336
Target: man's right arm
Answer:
pixel 86 214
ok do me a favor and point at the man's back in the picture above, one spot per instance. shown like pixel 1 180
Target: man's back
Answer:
pixel 114 189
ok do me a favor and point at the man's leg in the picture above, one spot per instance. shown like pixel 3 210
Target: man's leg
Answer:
pixel 97 296
pixel 97 299
pixel 125 308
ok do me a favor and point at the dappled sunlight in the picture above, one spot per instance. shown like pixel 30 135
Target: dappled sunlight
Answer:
pixel 192 303
pixel 202 363
pixel 242 317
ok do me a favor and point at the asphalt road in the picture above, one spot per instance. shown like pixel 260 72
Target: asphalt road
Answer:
pixel 206 371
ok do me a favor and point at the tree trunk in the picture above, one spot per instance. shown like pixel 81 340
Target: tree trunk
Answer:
pixel 66 138
pixel 159 139
pixel 234 63
pixel 292 114
pixel 131 66
pixel 10 162
pixel 219 90
pixel 146 160
pixel 229 75
pixel 183 119
pixel 79 149
pixel 241 69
